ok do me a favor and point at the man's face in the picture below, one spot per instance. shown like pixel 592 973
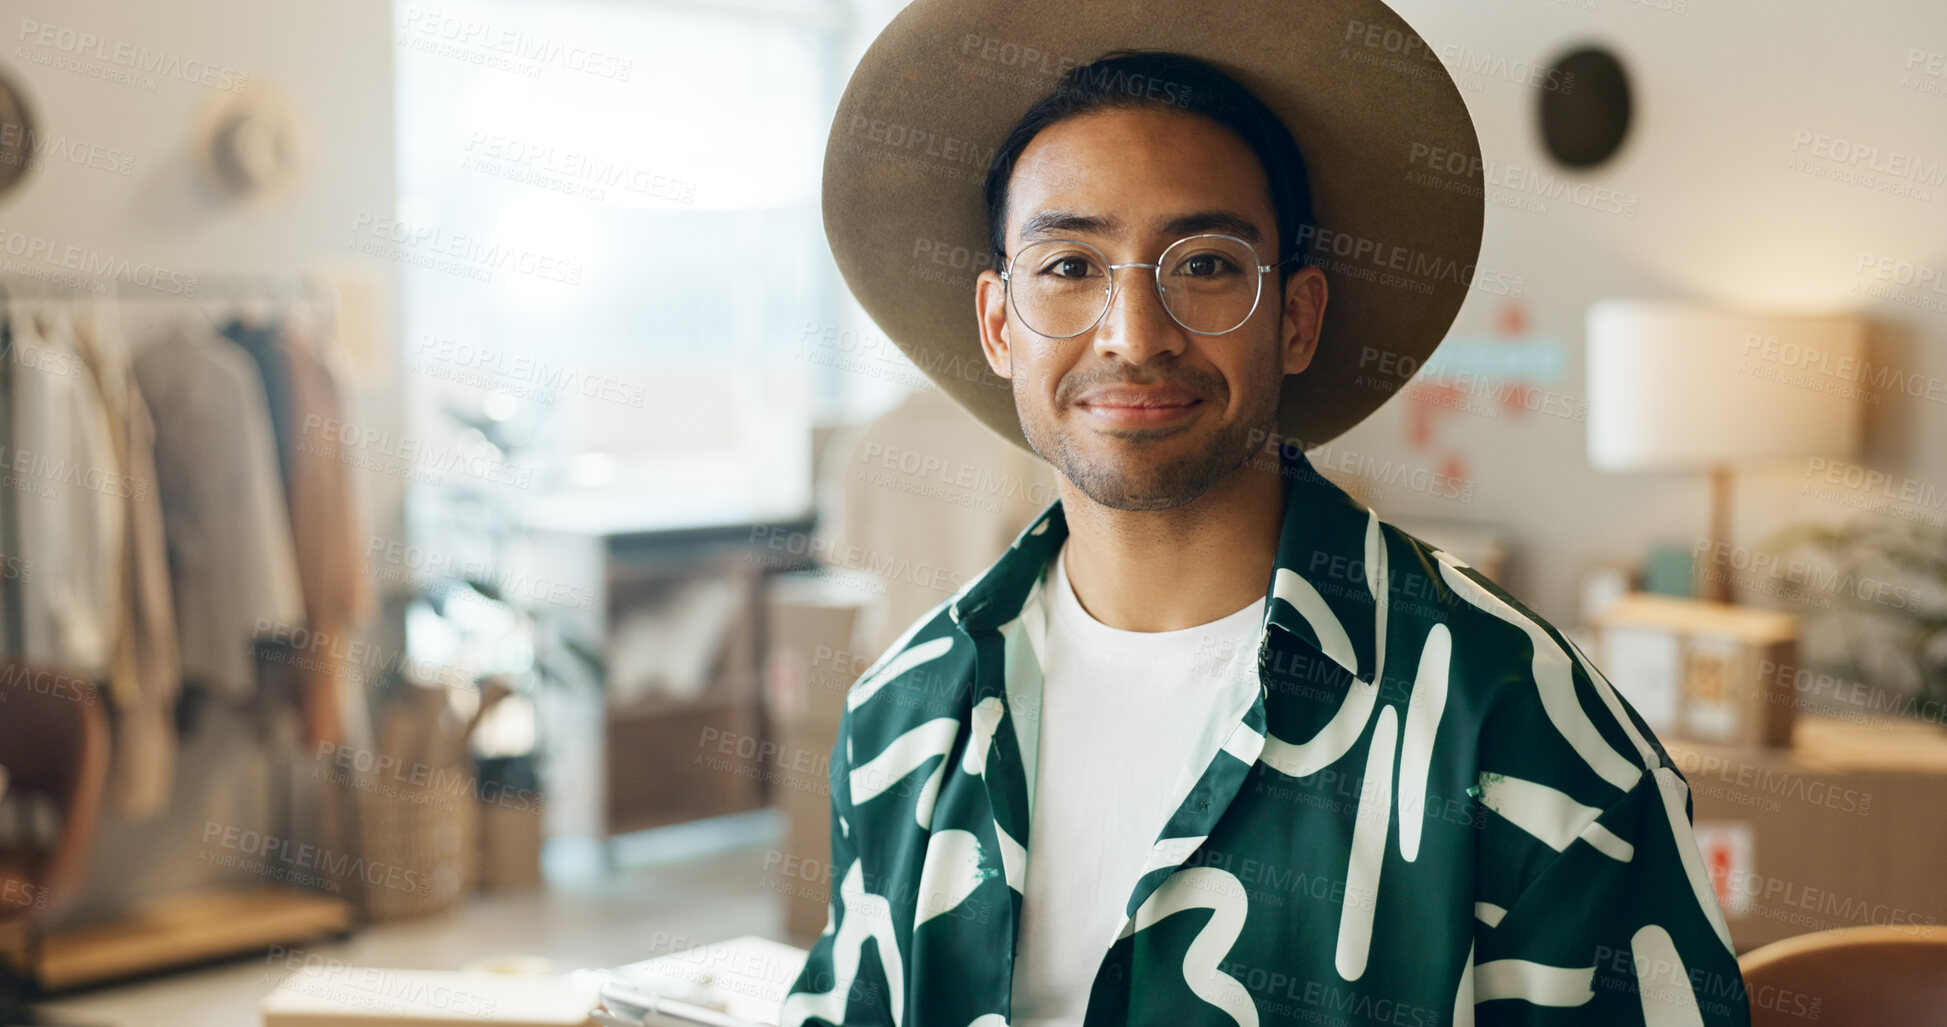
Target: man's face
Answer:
pixel 1138 413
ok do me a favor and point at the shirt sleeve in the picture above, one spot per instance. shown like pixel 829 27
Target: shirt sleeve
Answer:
pixel 1621 928
pixel 835 988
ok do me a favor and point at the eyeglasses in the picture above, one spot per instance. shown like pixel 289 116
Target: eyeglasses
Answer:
pixel 1210 284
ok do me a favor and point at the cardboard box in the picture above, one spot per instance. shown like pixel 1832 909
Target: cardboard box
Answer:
pixel 800 869
pixel 810 661
pixel 809 667
pixel 1700 670
pixel 1842 830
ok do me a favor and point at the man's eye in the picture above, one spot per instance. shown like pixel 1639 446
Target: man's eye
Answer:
pixel 1069 267
pixel 1205 265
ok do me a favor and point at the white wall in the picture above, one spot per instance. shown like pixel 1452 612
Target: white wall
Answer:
pixel 335 62
pixel 1722 92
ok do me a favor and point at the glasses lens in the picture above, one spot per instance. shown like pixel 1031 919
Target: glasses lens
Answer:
pixel 1060 288
pixel 1210 283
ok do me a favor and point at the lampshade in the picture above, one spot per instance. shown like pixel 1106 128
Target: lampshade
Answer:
pixel 1678 386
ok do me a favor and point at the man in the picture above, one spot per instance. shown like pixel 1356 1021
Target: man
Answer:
pixel 1212 743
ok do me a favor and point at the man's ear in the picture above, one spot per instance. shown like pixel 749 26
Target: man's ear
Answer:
pixel 1305 293
pixel 990 308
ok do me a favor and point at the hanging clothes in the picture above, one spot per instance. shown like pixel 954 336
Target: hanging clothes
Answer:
pixel 145 674
pixel 232 565
pixel 66 474
pixel 305 385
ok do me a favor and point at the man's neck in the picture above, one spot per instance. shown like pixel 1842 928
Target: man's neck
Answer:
pixel 1165 570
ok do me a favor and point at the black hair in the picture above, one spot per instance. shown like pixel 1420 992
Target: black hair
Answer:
pixel 1124 79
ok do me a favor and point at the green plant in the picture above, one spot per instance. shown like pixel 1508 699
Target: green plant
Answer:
pixel 1877 585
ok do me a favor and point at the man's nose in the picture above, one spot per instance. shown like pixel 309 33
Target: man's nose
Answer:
pixel 1137 326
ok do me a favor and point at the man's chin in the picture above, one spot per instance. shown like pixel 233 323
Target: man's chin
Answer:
pixel 1131 503
pixel 1124 477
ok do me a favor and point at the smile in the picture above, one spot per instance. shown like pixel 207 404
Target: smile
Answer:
pixel 1139 413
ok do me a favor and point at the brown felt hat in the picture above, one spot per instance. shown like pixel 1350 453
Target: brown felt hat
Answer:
pixel 1393 160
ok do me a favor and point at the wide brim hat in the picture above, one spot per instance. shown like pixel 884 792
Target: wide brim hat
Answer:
pixel 1392 155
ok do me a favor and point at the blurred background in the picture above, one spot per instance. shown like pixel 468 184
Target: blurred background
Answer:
pixel 447 487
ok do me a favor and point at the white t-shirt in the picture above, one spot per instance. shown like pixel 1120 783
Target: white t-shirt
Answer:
pixel 1129 721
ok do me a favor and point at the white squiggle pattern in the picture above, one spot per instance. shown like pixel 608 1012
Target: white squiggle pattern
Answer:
pixel 1553 682
pixel 1331 743
pixel 1169 852
pixel 1332 639
pixel 1220 892
pixel 950 873
pixel 1546 813
pixel 867 916
pixel 1336 738
pixel 1422 727
pixel 1608 694
pixel 1244 743
pixel 917 656
pixel 986 719
pixel 1368 850
pixel 1379 587
pixel 1535 983
pixel 1609 843
pixel 1662 981
pixel 1674 792
pixel 1014 858
pixel 906 754
pixel 1025 639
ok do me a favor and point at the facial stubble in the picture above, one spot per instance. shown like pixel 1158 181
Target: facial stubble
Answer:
pixel 1131 471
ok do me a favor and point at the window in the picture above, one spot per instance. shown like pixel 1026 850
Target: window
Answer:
pixel 611 246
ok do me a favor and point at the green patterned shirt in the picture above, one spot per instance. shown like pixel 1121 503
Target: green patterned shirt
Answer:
pixel 1437 811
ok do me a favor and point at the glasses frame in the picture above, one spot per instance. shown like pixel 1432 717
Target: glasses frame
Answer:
pixel 1108 291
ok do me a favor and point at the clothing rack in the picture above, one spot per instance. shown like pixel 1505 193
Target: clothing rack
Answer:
pixel 319 292
pixel 194 926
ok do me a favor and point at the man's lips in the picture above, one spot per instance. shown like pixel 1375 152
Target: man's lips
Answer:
pixel 1133 406
pixel 1130 397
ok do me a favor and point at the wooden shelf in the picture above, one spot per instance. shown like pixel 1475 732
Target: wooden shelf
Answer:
pixel 173 931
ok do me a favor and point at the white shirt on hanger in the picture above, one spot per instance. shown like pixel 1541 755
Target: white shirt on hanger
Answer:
pixel 68 481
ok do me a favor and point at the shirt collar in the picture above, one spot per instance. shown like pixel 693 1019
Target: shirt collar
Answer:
pixel 1320 592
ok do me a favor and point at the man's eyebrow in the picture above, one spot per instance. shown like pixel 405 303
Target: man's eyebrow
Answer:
pixel 1049 222
pixel 1229 222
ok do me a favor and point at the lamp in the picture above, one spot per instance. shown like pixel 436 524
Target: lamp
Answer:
pixel 1679 386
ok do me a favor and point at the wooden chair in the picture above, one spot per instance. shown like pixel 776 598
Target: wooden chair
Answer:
pixel 54 744
pixel 1889 976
